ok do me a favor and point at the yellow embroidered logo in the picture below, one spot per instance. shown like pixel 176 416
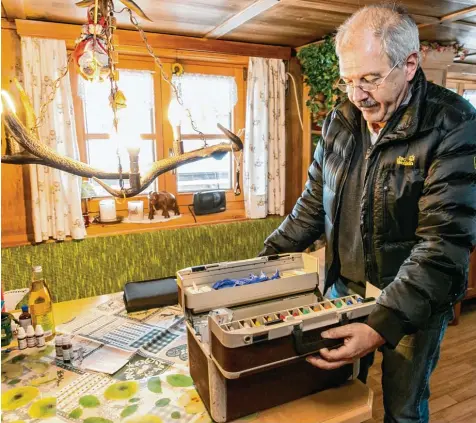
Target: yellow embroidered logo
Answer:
pixel 406 161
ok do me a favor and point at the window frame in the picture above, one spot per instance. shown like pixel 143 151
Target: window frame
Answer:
pixel 238 119
pixel 164 136
pixel 461 85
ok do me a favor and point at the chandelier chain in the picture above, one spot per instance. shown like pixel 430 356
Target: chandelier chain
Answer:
pixel 164 75
pixel 114 88
pixel 113 81
pixel 51 96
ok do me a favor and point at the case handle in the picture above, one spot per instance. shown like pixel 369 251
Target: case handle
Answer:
pixel 307 347
pixel 303 347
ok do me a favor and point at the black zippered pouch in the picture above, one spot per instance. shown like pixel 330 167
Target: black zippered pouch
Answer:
pixel 153 293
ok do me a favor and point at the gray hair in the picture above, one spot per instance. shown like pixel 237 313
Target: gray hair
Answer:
pixel 396 29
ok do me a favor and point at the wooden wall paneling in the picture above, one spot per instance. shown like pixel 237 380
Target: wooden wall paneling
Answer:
pixel 294 136
pixel 16 196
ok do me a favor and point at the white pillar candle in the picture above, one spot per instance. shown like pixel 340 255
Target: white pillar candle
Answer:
pixel 107 210
pixel 136 211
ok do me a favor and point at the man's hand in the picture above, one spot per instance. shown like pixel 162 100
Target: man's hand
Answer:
pixel 359 340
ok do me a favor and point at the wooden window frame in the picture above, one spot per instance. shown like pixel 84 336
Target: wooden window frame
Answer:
pixel 461 85
pixel 163 142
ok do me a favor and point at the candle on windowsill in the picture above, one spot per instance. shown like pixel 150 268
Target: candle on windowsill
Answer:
pixel 107 210
pixel 136 211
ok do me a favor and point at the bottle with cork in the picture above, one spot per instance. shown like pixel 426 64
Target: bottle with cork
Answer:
pixel 41 304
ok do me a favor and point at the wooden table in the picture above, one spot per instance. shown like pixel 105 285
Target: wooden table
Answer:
pixel 351 403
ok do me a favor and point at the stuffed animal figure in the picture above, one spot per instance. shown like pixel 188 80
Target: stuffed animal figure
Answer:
pixel 164 201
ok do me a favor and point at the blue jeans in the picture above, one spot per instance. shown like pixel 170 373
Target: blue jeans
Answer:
pixel 406 370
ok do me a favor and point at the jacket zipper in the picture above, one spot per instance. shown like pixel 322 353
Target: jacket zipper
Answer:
pixel 385 193
pixel 344 178
pixel 368 268
pixel 369 263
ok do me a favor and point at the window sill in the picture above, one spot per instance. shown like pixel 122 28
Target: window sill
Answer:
pixel 228 216
pixel 98 230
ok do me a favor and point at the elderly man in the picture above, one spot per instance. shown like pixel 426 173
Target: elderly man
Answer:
pixel 393 188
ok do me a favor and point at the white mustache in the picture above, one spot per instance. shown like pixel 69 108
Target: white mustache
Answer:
pixel 368 103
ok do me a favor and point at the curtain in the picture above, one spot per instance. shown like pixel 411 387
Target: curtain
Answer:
pixel 264 149
pixel 56 195
pixel 210 99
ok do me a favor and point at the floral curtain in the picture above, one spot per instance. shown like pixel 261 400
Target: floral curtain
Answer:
pixel 264 150
pixel 56 195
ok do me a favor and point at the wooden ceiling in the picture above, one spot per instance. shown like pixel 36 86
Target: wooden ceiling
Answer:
pixel 288 23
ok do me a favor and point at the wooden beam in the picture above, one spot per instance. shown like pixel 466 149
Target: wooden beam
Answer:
pixel 325 6
pixel 348 9
pixel 455 16
pixel 241 17
pixel 460 15
pixel 128 38
pixel 465 26
pixel 462 68
pixel 15 9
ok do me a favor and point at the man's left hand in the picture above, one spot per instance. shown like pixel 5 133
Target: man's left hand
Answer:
pixel 359 340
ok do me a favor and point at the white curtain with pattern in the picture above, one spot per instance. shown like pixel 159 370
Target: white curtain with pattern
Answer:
pixel 56 195
pixel 264 156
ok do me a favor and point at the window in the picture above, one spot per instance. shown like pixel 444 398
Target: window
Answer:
pixel 213 92
pixel 210 100
pixel 136 124
pixel 470 95
pixel 465 88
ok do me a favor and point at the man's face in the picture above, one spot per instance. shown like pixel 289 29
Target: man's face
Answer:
pixel 361 60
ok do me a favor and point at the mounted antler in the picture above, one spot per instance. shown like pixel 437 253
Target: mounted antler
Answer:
pixel 43 154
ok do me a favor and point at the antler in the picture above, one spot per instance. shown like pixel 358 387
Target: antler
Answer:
pixel 43 154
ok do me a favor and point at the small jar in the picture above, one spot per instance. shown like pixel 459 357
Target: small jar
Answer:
pixel 6 329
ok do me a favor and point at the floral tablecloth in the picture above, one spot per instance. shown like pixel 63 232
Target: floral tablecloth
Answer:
pixel 153 387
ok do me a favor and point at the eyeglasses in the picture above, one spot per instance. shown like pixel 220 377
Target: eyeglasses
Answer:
pixel 367 86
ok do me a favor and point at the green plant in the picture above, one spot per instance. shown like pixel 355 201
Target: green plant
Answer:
pixel 321 72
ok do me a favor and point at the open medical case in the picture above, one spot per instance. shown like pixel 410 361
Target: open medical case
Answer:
pixel 248 342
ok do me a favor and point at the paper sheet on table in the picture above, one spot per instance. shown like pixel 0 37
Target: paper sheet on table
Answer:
pixel 99 357
pixel 13 298
pixel 106 360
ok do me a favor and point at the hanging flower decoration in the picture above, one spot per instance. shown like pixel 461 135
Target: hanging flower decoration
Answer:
pixel 456 48
pixel 177 69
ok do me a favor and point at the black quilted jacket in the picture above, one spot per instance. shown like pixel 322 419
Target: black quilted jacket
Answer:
pixel 418 219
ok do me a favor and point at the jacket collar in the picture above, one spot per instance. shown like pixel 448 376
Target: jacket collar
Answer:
pixel 405 121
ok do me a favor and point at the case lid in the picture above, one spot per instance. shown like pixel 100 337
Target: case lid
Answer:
pixel 298 273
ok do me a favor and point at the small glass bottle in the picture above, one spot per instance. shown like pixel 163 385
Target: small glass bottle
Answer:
pixel 21 337
pixel 59 347
pixel 30 337
pixel 67 349
pixel 40 336
pixel 25 317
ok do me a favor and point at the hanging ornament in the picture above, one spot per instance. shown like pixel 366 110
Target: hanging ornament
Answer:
pixel 91 54
pixel 117 100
